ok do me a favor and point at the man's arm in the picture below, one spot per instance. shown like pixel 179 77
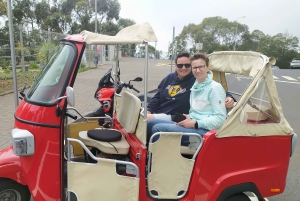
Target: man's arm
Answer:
pixel 155 101
pixel 228 95
pixel 229 100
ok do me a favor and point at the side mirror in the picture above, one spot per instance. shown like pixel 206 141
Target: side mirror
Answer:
pixel 70 96
pixel 138 79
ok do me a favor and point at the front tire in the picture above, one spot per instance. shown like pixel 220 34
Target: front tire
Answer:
pixel 238 197
pixel 13 191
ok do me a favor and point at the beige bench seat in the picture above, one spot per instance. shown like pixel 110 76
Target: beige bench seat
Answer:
pixel 120 147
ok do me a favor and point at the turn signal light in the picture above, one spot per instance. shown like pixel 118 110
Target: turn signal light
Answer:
pixel 275 190
pixel 23 142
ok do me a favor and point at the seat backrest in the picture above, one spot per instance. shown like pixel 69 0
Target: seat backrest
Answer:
pixel 101 182
pixel 128 111
pixel 168 171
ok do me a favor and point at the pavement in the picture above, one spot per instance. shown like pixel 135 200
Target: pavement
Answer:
pixel 85 85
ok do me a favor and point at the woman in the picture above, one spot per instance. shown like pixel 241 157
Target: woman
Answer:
pixel 207 105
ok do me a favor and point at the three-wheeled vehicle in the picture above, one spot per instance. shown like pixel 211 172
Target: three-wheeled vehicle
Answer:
pixel 53 160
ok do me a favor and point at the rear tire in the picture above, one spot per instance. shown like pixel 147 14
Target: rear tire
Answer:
pixel 238 197
pixel 13 191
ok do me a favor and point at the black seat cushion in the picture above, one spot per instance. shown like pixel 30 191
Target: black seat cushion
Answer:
pixel 104 135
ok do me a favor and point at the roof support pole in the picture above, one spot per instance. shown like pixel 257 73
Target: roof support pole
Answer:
pixel 12 51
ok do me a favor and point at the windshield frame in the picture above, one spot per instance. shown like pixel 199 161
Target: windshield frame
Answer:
pixel 69 69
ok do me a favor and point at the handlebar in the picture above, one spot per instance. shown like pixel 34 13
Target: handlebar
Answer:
pixel 135 89
pixel 71 115
pixel 129 86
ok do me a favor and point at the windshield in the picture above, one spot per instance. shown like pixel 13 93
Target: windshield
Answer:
pixel 50 83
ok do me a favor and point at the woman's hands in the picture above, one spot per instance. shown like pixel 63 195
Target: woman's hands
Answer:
pixel 229 102
pixel 187 123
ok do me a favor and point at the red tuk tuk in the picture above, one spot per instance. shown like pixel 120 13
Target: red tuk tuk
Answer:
pixel 52 160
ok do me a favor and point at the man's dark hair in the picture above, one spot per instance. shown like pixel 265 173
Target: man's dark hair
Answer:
pixel 200 56
pixel 182 54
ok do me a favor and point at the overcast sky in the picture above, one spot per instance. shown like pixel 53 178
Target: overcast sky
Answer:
pixel 269 16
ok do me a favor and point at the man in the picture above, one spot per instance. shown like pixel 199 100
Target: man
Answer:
pixel 173 92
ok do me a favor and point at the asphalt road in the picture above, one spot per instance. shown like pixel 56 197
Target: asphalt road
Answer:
pixel 288 87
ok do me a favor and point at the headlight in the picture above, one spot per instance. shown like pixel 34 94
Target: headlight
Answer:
pixel 23 142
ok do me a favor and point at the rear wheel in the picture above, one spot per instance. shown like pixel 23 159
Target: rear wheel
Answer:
pixel 238 197
pixel 13 191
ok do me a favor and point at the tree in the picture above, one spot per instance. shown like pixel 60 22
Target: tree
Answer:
pixel 107 10
pixel 61 12
pixel 151 51
pixel 42 12
pixel 125 22
pixel 43 52
pixel 2 8
pixel 24 11
pixel 216 33
pixel 82 16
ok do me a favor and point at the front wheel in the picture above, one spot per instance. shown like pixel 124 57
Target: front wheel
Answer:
pixel 238 197
pixel 13 191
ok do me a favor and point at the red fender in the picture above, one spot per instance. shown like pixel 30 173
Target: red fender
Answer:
pixel 10 166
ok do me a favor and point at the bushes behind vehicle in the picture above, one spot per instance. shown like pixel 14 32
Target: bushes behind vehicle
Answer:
pixel 283 64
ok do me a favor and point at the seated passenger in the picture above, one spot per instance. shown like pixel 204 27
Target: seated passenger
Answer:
pixel 207 104
pixel 174 91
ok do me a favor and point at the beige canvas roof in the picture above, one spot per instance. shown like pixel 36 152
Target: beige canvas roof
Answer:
pixel 238 62
pixel 255 65
pixel 135 34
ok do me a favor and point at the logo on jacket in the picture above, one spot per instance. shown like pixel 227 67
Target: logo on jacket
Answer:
pixel 173 90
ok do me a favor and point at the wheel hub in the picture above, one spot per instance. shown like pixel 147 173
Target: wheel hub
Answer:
pixel 10 195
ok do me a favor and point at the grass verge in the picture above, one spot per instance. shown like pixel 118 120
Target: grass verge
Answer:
pixel 7 84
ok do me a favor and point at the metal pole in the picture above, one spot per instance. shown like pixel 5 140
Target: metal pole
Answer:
pixel 49 44
pixel 155 55
pixel 96 17
pixel 96 20
pixel 12 51
pixel 146 80
pixel 172 50
pixel 235 34
pixel 237 22
pixel 22 52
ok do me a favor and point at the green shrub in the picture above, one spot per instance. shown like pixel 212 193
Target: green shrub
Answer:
pixel 34 65
pixel 82 65
pixel 4 63
pixel 80 70
pixel 7 71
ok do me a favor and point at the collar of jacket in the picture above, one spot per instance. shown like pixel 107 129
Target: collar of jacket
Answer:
pixel 187 77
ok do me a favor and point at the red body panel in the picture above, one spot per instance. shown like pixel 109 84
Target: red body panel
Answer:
pixel 10 166
pixel 106 98
pixel 41 170
pixel 225 162
pixel 106 93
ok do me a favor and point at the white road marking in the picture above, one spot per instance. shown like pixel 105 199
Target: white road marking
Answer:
pixel 275 77
pixel 289 78
pixel 287 82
